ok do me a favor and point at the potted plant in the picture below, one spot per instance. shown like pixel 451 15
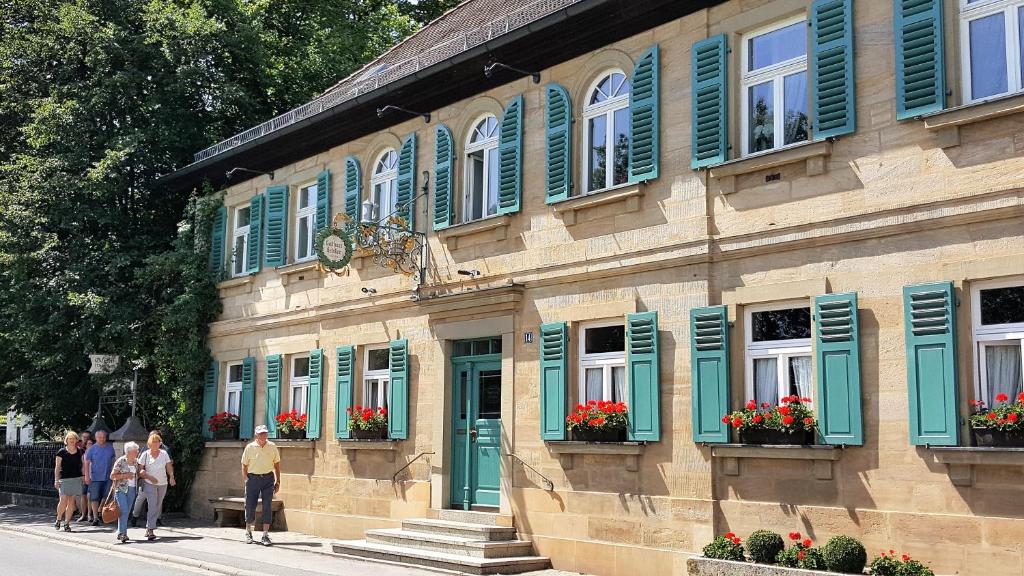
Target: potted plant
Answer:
pixel 1002 425
pixel 791 422
pixel 598 421
pixel 224 426
pixel 368 424
pixel 291 425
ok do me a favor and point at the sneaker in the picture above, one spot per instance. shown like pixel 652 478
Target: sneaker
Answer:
pixel 266 541
pixel 248 537
pixel 95 522
pixel 56 525
pixel 67 527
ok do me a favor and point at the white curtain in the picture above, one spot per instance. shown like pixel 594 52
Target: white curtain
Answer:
pixel 766 380
pixel 595 384
pixel 1003 371
pixel 800 368
pixel 619 383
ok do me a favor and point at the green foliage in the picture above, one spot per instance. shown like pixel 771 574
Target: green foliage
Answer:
pixel 890 565
pixel 723 548
pixel 844 554
pixel 801 555
pixel 764 546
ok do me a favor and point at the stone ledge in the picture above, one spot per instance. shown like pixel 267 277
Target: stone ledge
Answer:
pixel 813 154
pixel 353 446
pixel 946 123
pixel 961 460
pixel 821 455
pixel 246 281
pixel 566 449
pixel 712 567
pixel 294 443
pixel 630 194
pixel 497 225
pixel 227 443
pixel 306 266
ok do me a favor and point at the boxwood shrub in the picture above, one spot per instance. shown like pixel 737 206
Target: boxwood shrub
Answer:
pixel 844 554
pixel 764 546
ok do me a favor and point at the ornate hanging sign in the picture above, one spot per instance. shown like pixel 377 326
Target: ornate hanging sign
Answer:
pixel 334 247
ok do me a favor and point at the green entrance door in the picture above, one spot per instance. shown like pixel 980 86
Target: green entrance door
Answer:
pixel 476 427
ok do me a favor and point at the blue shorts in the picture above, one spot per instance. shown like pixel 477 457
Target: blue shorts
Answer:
pixel 98 490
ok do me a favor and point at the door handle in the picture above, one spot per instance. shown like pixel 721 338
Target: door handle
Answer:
pixel 472 434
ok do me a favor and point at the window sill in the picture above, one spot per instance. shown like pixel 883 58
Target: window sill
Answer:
pixel 813 154
pixel 946 123
pixel 629 193
pixel 566 449
pixel 227 443
pixel 236 282
pixel 497 225
pixel 353 446
pixel 294 443
pixel 311 267
pixel 960 460
pixel 822 455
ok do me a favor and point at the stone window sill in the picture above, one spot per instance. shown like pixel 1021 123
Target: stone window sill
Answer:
pixel 236 282
pixel 227 443
pixel 566 450
pixel 294 443
pixel 353 446
pixel 822 455
pixel 630 194
pixel 306 267
pixel 813 154
pixel 946 123
pixel 960 460
pixel 496 225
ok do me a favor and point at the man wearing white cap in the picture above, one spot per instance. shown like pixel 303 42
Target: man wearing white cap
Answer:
pixel 261 474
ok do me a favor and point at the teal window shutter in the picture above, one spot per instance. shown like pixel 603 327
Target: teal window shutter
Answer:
pixel 353 188
pixel 210 397
pixel 920 72
pixel 323 200
pixel 444 182
pixel 343 397
pixel 255 234
pixel 276 238
pixel 314 411
pixel 929 318
pixel 837 356
pixel 554 369
pixel 709 358
pixel 710 114
pixel 510 158
pixel 217 231
pixel 247 405
pixel 644 377
pixel 273 401
pixel 406 196
pixel 558 117
pixel 832 68
pixel 398 391
pixel 644 141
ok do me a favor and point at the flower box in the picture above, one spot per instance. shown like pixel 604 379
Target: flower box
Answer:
pixel 226 434
pixel 789 423
pixel 598 421
pixel 993 437
pixel 1001 426
pixel 379 434
pixel 777 437
pixel 292 435
pixel 591 435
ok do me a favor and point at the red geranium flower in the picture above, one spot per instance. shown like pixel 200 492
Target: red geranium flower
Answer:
pixel 726 419
pixel 1012 416
pixel 765 405
pixel 736 541
pixel 906 557
pixel 800 555
pixel 807 543
pixel 751 405
pixel 1020 397
pixel 784 410
pixel 758 419
pixel 992 416
pixel 794 535
pixel 787 420
pixel 737 422
pixel 1002 397
pixel 808 420
pixel 730 535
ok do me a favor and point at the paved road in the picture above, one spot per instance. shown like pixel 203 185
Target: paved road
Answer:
pixel 28 556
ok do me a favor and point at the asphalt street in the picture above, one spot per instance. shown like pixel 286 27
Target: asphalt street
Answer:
pixel 29 556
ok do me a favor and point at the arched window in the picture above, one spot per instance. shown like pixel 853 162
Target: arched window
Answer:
pixel 481 185
pixel 384 184
pixel 606 133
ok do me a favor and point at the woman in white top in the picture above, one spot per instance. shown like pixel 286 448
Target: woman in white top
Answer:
pixel 125 475
pixel 158 473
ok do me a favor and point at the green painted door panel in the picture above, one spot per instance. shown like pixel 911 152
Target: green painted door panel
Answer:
pixel 476 433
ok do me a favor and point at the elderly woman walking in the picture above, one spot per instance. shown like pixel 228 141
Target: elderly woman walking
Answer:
pixel 67 479
pixel 158 473
pixel 125 476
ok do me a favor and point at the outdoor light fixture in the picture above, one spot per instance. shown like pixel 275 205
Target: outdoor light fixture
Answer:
pixel 368 213
pixel 470 273
pixel 369 290
pixel 390 241
pixel 489 71
pixel 381 111
pixel 231 172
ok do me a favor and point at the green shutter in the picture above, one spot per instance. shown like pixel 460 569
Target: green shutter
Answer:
pixel 209 397
pixel 558 117
pixel 644 377
pixel 920 73
pixel 444 183
pixel 838 368
pixel 644 140
pixel 929 317
pixel 247 405
pixel 323 200
pixel 276 239
pixel 353 188
pixel 709 358
pixel 406 196
pixel 510 158
pixel 217 231
pixel 316 393
pixel 710 115
pixel 832 68
pixel 343 393
pixel 398 391
pixel 554 369
pixel 273 402
pixel 255 234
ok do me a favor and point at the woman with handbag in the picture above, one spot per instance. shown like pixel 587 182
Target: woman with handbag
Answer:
pixel 125 476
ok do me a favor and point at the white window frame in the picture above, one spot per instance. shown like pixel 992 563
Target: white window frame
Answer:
pixel 304 213
pixel 992 334
pixel 608 108
pixel 389 178
pixel 233 387
pixel 240 232
pixel 604 360
pixel 382 376
pixel 982 9
pixel 782 350
pixel 485 145
pixel 775 73
pixel 300 383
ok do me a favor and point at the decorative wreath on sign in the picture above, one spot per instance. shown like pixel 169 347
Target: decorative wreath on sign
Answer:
pixel 334 247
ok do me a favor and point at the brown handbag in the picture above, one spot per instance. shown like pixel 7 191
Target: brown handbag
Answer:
pixel 110 511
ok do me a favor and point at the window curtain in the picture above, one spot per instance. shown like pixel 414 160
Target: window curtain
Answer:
pixel 801 375
pixel 619 383
pixel 1003 371
pixel 595 384
pixel 766 380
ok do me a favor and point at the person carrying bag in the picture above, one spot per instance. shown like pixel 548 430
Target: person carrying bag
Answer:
pixel 125 475
pixel 109 510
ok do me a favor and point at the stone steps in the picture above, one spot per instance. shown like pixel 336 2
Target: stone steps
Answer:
pixel 486 532
pixel 442 560
pixel 473 517
pixel 450 544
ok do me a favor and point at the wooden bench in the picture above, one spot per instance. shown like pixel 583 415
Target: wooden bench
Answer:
pixel 230 511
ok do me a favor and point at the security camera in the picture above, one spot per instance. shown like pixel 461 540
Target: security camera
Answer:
pixel 470 273
pixel 489 70
pixel 368 290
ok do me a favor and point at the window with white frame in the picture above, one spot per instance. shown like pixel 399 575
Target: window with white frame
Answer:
pixel 299 382
pixel 991 36
pixel 778 352
pixel 774 84
pixel 376 375
pixel 305 223
pixel 602 361
pixel 240 242
pixel 998 332
pixel 606 125
pixel 481 190
pixel 384 185
pixel 233 392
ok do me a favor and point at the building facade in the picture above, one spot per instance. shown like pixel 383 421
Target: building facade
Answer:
pixel 737 201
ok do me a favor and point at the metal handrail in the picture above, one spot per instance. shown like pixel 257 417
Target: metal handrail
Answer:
pixel 548 484
pixel 402 469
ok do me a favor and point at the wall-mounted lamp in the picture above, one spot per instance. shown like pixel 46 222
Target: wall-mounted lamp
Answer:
pixel 381 111
pixel 489 71
pixel 470 273
pixel 231 172
pixel 368 290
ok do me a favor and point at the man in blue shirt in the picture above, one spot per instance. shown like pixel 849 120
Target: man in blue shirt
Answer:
pixel 99 460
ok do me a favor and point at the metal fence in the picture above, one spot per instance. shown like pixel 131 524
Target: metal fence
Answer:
pixel 28 469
